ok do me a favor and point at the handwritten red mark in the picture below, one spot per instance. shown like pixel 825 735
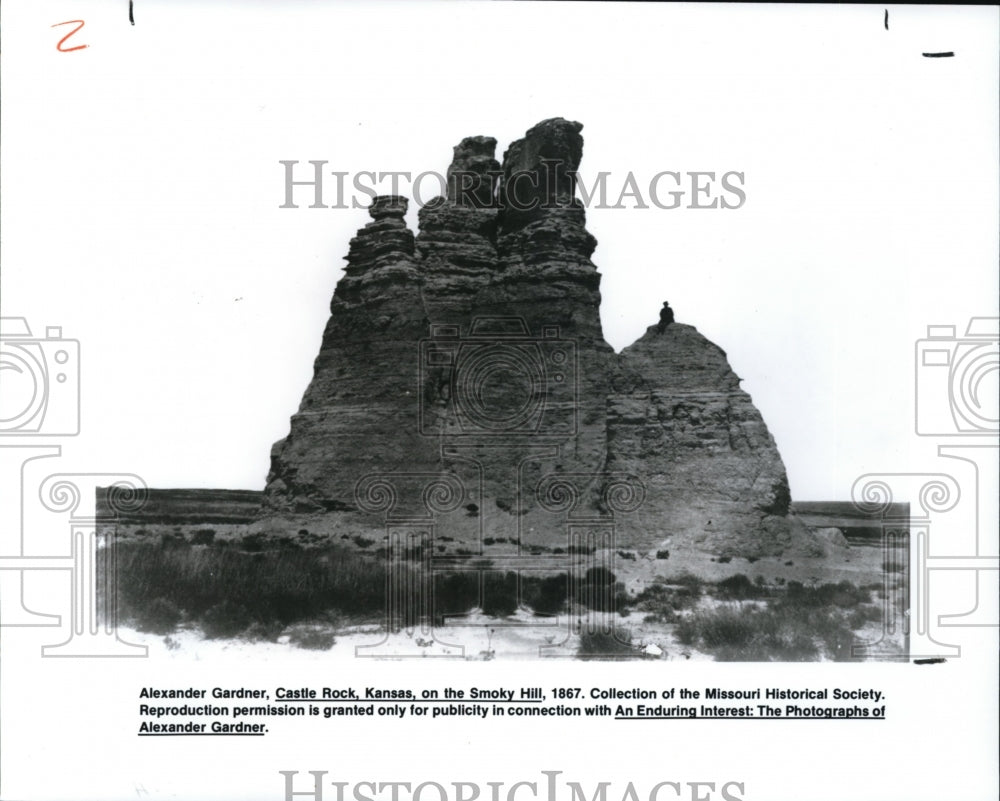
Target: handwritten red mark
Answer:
pixel 59 46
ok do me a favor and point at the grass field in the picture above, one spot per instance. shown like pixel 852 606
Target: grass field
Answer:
pixel 309 595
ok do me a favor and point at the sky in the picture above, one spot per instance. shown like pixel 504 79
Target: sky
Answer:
pixel 142 186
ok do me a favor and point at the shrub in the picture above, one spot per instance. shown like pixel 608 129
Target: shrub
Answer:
pixel 280 585
pixel 663 602
pixel 805 624
pixel 725 560
pixel 733 627
pixel 737 588
pixel 744 635
pixel 203 537
pixel 599 575
pixel 843 594
pixel 864 614
pixel 225 619
pixel 689 581
pixel 170 541
pixel 455 593
pixel 261 631
pixel 253 543
pixel 499 594
pixel 312 639
pixel 544 595
pixel 599 590
pixel 616 644
pixel 159 616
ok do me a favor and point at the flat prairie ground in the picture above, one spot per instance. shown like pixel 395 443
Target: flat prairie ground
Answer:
pixel 846 605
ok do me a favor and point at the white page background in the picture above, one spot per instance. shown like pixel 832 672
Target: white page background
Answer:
pixel 141 188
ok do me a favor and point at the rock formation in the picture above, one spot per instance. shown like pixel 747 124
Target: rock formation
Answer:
pixel 475 351
pixel 677 416
pixel 357 413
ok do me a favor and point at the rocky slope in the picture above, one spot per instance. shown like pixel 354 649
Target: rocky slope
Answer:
pixel 677 416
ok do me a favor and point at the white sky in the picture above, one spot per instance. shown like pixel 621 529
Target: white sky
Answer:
pixel 141 188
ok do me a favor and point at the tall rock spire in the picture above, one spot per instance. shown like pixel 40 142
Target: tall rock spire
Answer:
pixel 357 414
pixel 546 278
pixel 457 241
pixel 545 273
